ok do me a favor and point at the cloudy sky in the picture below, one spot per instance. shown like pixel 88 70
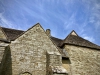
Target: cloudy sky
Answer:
pixel 61 16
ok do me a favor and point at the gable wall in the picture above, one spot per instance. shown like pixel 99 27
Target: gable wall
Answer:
pixel 84 61
pixel 2 35
pixel 29 52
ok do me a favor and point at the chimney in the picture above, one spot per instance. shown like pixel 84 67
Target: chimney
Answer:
pixel 48 32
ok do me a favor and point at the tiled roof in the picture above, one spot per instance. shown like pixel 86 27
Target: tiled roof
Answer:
pixel 12 34
pixel 57 41
pixel 77 40
pixel 74 39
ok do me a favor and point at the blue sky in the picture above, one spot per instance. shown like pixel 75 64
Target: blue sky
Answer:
pixel 61 16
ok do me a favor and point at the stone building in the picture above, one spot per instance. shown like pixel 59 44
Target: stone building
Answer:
pixel 36 52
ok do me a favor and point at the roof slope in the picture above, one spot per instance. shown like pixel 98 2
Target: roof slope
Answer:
pixel 72 38
pixel 12 34
pixel 77 40
pixel 57 41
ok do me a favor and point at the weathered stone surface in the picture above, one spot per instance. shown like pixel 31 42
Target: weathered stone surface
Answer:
pixel 2 34
pixel 29 52
pixel 54 64
pixel 67 67
pixel 84 61
pixel 6 63
pixel 33 53
pixel 2 49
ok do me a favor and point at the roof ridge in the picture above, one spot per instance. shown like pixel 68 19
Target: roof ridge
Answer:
pixel 57 38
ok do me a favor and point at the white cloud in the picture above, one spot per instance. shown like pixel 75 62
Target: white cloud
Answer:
pixel 4 22
pixel 70 22
pixel 68 14
pixel 94 12
pixel 89 38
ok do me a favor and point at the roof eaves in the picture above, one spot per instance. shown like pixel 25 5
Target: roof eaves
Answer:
pixel 4 40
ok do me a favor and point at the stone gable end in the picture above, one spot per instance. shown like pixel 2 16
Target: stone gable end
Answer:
pixel 29 52
pixel 2 34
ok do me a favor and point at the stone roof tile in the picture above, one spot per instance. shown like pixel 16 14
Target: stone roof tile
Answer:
pixel 57 41
pixel 77 40
pixel 12 34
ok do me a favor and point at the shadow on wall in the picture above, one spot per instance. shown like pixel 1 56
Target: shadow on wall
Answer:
pixel 6 64
pixel 66 61
pixel 25 73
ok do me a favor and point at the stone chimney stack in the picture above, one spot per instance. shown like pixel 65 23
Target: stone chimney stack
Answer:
pixel 48 32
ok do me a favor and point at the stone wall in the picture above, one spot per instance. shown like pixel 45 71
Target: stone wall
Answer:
pixel 66 64
pixel 6 63
pixel 2 35
pixel 54 59
pixel 84 61
pixel 29 52
pixel 2 49
pixel 60 74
